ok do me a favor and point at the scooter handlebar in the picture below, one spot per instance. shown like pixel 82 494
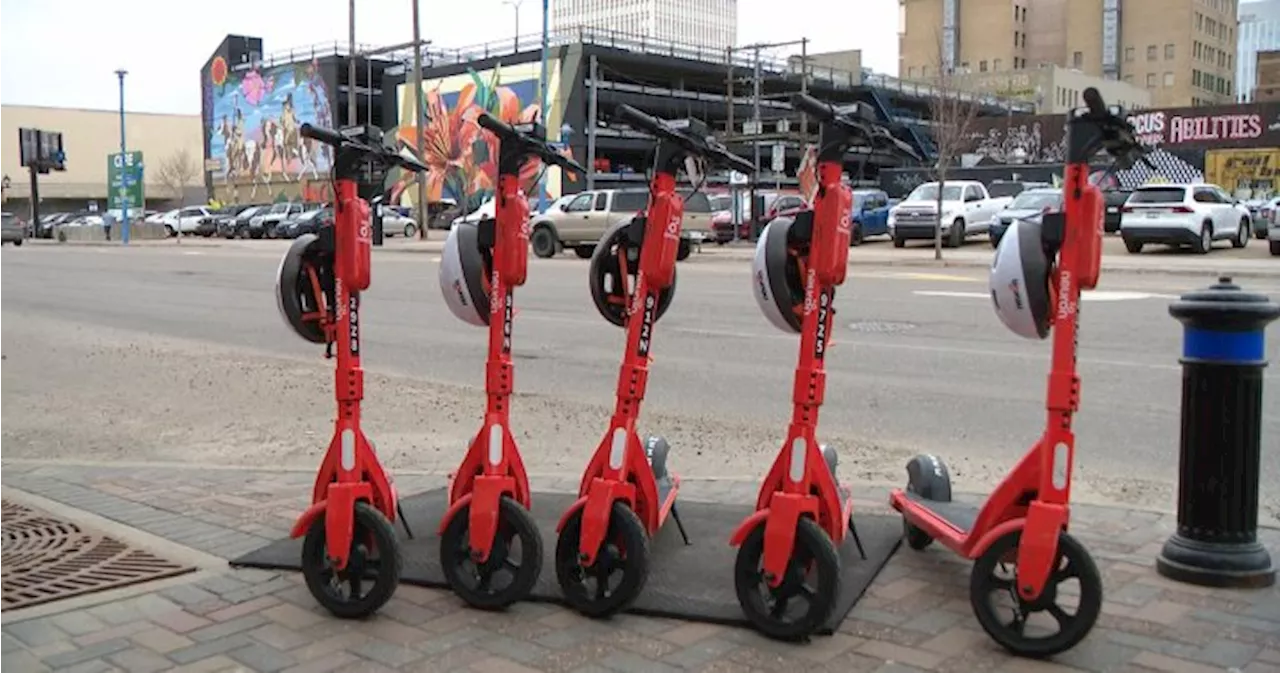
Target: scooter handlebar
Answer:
pixel 1094 101
pixel 703 147
pixel 535 146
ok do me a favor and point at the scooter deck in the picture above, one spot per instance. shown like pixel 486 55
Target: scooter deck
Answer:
pixel 958 514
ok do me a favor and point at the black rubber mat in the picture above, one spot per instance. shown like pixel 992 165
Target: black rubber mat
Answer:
pixel 692 582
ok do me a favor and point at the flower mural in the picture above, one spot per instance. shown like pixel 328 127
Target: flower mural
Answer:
pixel 462 157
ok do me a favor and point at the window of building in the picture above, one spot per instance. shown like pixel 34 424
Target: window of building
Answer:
pixel 1151 80
pixel 911 71
pixel 1128 54
pixel 1151 52
pixel 1168 52
pixel 1077 59
pixel 1168 79
pixel 1199 22
pixel 1024 39
pixel 996 65
pixel 1015 38
pixel 1195 78
pixel 964 66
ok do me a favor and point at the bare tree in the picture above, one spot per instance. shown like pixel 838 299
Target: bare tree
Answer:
pixel 175 172
pixel 952 113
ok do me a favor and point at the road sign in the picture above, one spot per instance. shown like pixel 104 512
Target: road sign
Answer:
pixel 124 180
pixel 779 157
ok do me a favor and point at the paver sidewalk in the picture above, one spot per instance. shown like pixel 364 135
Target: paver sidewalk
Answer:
pixel 916 616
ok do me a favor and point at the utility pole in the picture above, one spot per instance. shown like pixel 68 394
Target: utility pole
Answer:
pixel 732 75
pixel 124 198
pixel 351 65
pixel 592 111
pixel 755 143
pixel 542 87
pixel 418 123
pixel 804 82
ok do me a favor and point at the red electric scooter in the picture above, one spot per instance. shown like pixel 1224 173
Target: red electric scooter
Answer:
pixel 350 557
pixel 787 572
pixel 1018 537
pixel 627 491
pixel 490 548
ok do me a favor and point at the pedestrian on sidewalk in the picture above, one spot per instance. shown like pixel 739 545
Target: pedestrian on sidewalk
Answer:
pixel 108 219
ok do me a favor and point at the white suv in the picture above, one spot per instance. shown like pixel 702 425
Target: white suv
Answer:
pixel 1194 215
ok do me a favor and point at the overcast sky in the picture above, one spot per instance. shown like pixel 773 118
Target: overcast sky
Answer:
pixel 65 52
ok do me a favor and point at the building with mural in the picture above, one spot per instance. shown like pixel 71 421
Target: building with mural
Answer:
pixel 1233 146
pixel 254 105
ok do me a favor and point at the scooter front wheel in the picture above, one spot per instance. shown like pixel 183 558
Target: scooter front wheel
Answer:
pixel 1016 624
pixel 803 602
pixel 612 583
pixel 514 562
pixel 373 566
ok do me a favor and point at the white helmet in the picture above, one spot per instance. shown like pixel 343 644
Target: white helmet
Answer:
pixel 1019 281
pixel 295 295
pixel 775 279
pixel 462 273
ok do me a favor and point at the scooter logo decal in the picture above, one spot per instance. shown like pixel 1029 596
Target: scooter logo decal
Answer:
pixel 1065 300
pixel 1017 293
pixel 824 309
pixel 354 323
pixel 457 289
pixel 646 325
pixel 764 288
pixel 506 323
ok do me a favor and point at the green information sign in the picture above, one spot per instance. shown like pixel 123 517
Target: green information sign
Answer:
pixel 124 181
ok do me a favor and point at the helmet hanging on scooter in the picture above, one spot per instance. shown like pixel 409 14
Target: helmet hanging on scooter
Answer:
pixel 304 264
pixel 614 270
pixel 463 273
pixel 1019 281
pixel 775 277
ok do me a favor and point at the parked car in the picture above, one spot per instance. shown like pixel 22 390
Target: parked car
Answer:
pixel 307 222
pixel 1273 236
pixel 184 221
pixel 967 209
pixel 222 221
pixel 44 229
pixel 1030 205
pixel 582 221
pixel 397 220
pixel 264 223
pixel 870 214
pixel 1193 215
pixel 1269 210
pixel 1011 188
pixel 1114 201
pixel 12 229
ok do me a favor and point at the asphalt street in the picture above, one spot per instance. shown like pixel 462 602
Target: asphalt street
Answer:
pixel 919 363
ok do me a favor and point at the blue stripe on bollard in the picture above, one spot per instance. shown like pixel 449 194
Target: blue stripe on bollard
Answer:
pixel 1203 344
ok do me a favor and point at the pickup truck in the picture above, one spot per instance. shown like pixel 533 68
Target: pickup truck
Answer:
pixel 967 209
pixel 578 223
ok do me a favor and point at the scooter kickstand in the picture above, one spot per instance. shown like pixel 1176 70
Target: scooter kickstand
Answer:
pixel 853 528
pixel 679 525
pixel 403 521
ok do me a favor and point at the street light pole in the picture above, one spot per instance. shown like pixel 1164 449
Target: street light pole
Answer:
pixel 124 198
pixel 419 134
pixel 515 4
pixel 351 64
pixel 542 90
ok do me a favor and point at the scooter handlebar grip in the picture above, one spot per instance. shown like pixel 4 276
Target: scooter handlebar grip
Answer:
pixel 491 124
pixel 812 106
pixel 324 135
pixel 1093 99
pixel 637 118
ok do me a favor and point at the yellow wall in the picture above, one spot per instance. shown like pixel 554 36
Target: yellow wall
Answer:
pixel 88 136
pixel 1257 170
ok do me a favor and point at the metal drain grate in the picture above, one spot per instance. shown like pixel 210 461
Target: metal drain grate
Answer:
pixel 881 326
pixel 47 559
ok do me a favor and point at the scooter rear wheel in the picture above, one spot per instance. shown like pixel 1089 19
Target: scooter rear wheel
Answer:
pixel 482 585
pixel 813 576
pixel 374 556
pixel 994 574
pixel 592 590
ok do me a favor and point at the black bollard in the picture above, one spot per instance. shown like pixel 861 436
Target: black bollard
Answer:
pixel 1223 355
